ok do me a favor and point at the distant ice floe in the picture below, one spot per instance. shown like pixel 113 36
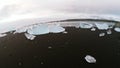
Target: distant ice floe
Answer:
pixel 3 35
pixel 90 59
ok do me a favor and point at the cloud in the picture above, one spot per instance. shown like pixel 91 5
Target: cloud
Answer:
pixel 26 8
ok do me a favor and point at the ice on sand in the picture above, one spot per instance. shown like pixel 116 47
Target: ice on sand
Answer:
pixel 90 59
pixel 30 36
pixel 102 34
pixel 117 29
pixel 102 26
pixel 93 29
pixel 109 32
pixel 38 29
pixel 86 25
pixel 56 28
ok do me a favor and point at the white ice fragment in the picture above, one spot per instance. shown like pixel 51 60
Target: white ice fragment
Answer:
pixel 102 26
pixel 56 28
pixel 29 36
pixel 39 29
pixel 93 29
pixel 3 35
pixel 49 47
pixel 117 29
pixel 109 32
pixel 102 34
pixel 90 59
pixel 86 25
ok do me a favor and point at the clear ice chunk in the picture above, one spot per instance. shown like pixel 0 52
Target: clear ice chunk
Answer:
pixel 117 29
pixel 90 59
pixel 29 36
pixel 56 28
pixel 86 25
pixel 102 26
pixel 38 29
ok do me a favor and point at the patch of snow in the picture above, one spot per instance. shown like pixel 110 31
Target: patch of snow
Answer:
pixel 86 25
pixel 3 35
pixel 117 29
pixel 90 59
pixel 102 34
pixel 29 36
pixel 102 26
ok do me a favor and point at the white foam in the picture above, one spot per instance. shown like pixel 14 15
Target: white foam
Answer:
pixel 90 59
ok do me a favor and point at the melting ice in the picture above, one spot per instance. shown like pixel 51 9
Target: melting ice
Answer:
pixel 90 59
pixel 117 29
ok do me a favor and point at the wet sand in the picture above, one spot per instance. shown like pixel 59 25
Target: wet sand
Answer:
pixel 60 50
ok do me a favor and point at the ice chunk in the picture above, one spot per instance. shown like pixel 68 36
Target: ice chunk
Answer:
pixel 90 59
pixel 3 35
pixel 109 32
pixel 21 30
pixel 86 25
pixel 56 28
pixel 93 29
pixel 102 34
pixel 102 26
pixel 117 29
pixel 29 36
pixel 39 29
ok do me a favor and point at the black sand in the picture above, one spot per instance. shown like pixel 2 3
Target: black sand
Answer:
pixel 60 50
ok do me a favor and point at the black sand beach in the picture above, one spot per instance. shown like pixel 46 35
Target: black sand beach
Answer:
pixel 60 50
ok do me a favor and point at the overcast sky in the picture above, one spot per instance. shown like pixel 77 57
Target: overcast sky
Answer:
pixel 40 8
